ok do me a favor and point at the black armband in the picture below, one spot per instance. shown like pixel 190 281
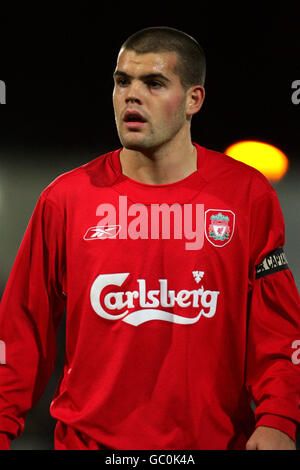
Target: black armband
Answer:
pixel 273 262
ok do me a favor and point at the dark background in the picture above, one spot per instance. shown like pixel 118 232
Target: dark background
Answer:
pixel 57 63
pixel 58 66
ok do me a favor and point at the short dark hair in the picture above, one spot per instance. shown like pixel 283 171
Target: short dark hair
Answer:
pixel 191 65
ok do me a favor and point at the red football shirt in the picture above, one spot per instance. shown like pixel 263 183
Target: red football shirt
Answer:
pixel 180 310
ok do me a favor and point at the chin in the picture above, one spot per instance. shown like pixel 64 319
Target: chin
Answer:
pixel 134 143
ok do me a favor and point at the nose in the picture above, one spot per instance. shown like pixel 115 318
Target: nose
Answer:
pixel 134 93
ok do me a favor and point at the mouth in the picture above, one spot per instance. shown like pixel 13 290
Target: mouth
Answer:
pixel 134 120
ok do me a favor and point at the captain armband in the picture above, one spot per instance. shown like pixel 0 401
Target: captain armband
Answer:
pixel 273 262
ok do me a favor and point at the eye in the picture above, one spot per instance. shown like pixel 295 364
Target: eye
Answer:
pixel 154 84
pixel 122 81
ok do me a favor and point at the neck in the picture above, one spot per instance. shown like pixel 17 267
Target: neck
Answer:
pixel 165 165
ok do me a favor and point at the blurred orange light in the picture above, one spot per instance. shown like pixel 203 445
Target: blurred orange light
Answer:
pixel 266 158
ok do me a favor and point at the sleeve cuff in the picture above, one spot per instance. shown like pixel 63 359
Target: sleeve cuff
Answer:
pixel 281 423
pixel 4 441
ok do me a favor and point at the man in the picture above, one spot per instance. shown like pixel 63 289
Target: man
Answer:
pixel 180 306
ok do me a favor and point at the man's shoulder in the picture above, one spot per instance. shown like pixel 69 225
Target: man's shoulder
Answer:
pixel 221 167
pixel 225 162
pixel 95 172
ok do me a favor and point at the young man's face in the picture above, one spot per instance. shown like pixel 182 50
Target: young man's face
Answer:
pixel 149 100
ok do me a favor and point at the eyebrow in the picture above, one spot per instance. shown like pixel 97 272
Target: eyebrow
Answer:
pixel 148 76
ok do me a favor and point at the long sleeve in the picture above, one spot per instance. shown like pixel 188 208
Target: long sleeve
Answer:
pixel 31 310
pixel 272 378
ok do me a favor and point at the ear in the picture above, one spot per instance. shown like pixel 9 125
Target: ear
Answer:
pixel 195 98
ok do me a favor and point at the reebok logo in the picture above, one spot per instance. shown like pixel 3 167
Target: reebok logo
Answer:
pixel 109 231
pixel 142 305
